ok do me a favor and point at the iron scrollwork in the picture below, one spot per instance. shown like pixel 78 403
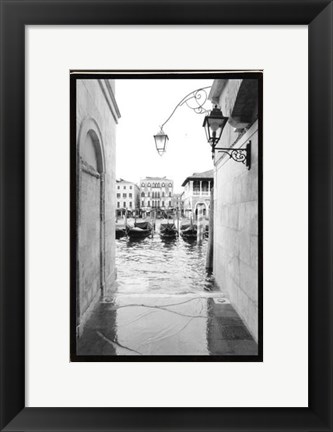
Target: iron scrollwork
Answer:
pixel 195 101
pixel 242 155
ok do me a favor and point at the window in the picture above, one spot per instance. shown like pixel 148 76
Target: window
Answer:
pixel 129 195
pixel 131 204
pixel 170 203
pixel 163 184
pixel 153 203
pixel 162 194
pixel 148 194
pixel 118 187
pixel 118 195
pixel 148 203
pixel 169 194
pixel 118 204
pixel 142 204
pixel 170 184
pixel 158 185
pixel 124 187
pixel 124 195
pixel 196 187
pixel 142 184
pixel 124 204
pixel 143 194
pixel 162 203
pixel 130 187
pixel 148 185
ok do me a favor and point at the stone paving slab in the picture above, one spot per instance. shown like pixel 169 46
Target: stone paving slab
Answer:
pixel 166 325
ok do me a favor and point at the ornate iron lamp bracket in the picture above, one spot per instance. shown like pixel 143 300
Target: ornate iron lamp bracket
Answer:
pixel 198 98
pixel 239 155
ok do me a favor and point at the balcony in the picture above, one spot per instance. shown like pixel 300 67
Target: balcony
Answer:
pixel 203 193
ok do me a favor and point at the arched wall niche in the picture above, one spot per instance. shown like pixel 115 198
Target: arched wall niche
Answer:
pixel 90 277
pixel 90 144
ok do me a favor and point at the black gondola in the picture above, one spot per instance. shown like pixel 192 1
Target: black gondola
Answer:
pixel 121 231
pixel 168 231
pixel 140 230
pixel 188 232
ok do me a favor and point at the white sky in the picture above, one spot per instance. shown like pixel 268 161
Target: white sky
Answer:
pixel 146 104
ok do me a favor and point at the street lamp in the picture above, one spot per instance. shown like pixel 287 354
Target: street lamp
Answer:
pixel 161 141
pixel 214 124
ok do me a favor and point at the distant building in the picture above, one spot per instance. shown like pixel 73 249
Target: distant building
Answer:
pixel 156 193
pixel 127 196
pixel 197 189
pixel 177 202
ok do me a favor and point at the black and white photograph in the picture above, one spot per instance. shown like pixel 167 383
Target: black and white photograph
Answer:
pixel 166 216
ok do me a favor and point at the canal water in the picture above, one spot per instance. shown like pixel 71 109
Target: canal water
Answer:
pixel 156 266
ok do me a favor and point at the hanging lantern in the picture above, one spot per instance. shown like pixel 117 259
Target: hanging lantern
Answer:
pixel 160 142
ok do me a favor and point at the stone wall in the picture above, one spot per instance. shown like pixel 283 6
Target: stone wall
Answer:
pixel 236 216
pixel 97 115
pixel 89 261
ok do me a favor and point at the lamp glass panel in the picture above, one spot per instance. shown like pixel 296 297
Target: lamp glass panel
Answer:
pixel 160 142
pixel 215 123
pixel 207 132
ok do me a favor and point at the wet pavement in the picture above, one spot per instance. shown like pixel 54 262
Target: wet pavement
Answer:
pixel 166 325
pixel 165 304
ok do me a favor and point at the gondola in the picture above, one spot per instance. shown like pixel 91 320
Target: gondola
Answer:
pixel 188 232
pixel 168 231
pixel 121 231
pixel 140 230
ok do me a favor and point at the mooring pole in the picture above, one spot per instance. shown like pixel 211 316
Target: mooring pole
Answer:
pixel 178 224
pixel 125 220
pixel 200 232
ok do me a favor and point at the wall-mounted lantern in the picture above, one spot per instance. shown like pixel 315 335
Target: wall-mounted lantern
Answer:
pixel 214 124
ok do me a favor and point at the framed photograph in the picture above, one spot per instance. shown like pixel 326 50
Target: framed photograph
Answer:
pixel 166 215
pixel 167 267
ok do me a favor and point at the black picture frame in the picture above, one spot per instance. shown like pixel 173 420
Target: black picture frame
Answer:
pixel 132 74
pixel 317 15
